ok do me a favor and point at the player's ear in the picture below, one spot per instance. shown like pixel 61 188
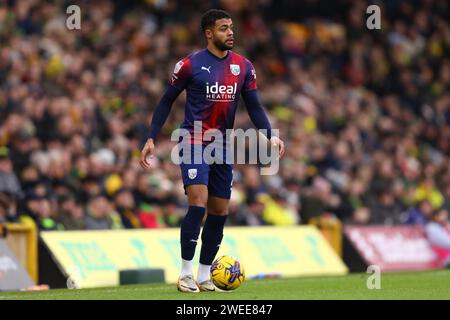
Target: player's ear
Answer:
pixel 208 34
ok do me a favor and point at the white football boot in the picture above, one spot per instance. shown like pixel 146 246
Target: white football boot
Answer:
pixel 208 286
pixel 187 284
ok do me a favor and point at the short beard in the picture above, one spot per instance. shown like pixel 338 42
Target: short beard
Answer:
pixel 222 46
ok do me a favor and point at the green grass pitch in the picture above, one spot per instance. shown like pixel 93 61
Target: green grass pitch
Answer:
pixel 406 285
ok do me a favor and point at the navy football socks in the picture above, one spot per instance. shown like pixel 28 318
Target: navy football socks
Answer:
pixel 212 235
pixel 190 229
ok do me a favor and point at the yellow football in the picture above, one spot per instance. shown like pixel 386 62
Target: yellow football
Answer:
pixel 227 273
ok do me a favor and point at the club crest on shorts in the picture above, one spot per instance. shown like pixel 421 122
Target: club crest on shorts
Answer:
pixel 192 173
pixel 235 69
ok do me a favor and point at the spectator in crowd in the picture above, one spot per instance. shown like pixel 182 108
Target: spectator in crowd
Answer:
pixel 319 199
pixel 365 115
pixel 252 213
pixel 9 183
pixel 420 214
pixel 172 214
pixel 385 208
pixel 71 213
pixel 438 233
pixel 38 211
pixel 8 207
pixel 125 205
pixel 360 216
pixel 100 214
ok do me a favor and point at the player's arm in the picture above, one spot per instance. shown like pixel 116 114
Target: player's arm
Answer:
pixel 256 111
pixel 179 80
pixel 259 118
pixel 160 116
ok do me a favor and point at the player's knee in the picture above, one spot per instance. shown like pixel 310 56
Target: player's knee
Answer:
pixel 197 199
pixel 218 207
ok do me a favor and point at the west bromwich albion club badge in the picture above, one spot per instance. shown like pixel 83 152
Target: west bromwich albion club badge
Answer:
pixel 235 69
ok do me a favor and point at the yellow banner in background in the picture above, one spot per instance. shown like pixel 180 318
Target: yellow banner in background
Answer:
pixel 94 258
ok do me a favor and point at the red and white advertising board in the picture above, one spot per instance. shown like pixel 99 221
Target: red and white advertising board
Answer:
pixel 396 248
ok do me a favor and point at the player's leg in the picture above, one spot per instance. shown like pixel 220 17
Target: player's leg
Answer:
pixel 191 224
pixel 195 180
pixel 212 236
pixel 219 189
pixel 189 232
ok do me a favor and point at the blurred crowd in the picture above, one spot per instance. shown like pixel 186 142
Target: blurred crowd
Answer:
pixel 365 114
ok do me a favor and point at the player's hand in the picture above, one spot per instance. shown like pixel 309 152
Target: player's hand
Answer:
pixel 277 142
pixel 147 153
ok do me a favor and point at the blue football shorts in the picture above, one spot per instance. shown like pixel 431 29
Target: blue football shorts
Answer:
pixel 217 176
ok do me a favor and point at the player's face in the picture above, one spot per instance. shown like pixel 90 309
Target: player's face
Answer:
pixel 222 34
